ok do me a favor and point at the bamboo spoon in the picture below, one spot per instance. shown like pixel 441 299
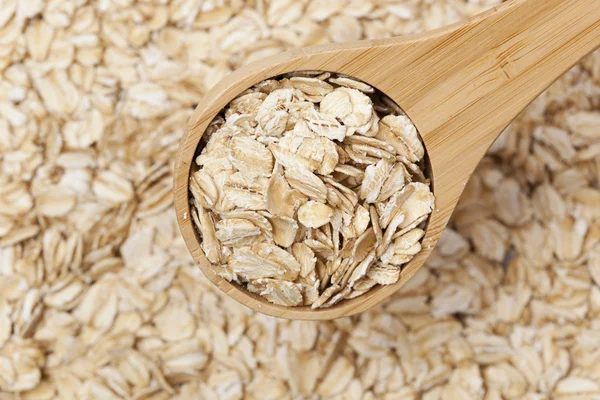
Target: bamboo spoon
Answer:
pixel 461 86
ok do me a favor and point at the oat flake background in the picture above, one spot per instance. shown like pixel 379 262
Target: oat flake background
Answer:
pixel 99 298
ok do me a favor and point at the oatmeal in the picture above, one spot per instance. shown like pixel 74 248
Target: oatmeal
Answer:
pixel 310 189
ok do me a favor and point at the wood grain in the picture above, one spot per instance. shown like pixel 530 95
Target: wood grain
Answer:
pixel 461 85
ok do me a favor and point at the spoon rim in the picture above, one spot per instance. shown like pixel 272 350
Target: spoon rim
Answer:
pixel 203 116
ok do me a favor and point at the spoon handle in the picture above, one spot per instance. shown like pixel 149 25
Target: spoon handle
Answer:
pixel 470 80
pixel 496 64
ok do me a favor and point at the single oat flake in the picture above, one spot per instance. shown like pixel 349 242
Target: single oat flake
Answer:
pixel 307 188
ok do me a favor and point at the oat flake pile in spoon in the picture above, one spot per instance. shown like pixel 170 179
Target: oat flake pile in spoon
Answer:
pixel 460 86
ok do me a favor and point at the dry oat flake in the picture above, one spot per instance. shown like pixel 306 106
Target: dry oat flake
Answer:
pixel 309 189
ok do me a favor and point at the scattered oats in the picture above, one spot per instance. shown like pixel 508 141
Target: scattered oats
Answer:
pixel 18 235
pixel 303 334
pixel 337 378
pixel 94 98
pixel 344 29
pixel 227 385
pixel 5 324
pixel 112 188
pixel 55 201
pixel 577 385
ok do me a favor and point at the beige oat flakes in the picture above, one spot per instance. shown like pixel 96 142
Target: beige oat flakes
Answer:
pixel 303 153
pixel 88 289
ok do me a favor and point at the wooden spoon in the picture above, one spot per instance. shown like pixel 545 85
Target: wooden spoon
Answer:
pixel 461 85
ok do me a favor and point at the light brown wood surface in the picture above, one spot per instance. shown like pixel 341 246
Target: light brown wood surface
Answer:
pixel 461 86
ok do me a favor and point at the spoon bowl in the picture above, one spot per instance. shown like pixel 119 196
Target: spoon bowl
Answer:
pixel 461 86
